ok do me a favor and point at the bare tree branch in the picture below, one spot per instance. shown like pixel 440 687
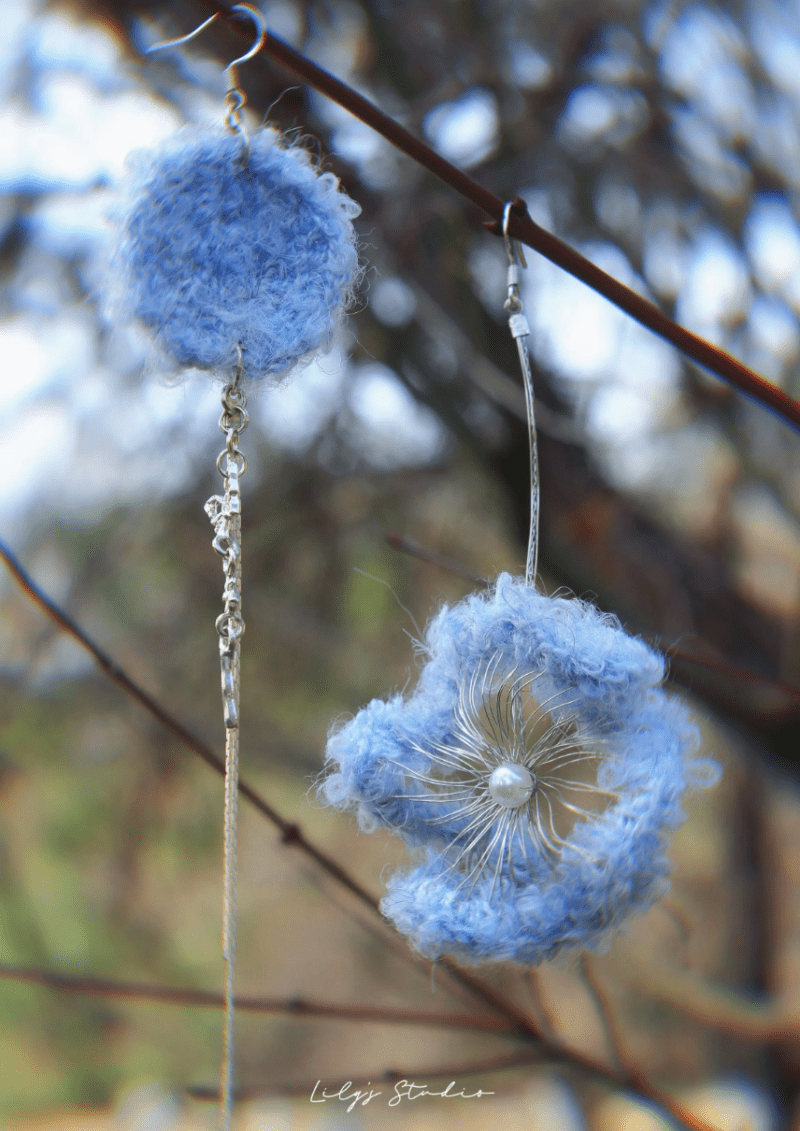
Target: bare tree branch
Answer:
pixel 432 557
pixel 718 1007
pixel 604 1010
pixel 294 1006
pixel 523 228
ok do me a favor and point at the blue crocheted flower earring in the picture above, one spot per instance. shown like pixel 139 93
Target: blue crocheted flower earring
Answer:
pixel 237 257
pixel 533 771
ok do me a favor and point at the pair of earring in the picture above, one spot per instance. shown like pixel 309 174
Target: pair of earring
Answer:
pixel 537 766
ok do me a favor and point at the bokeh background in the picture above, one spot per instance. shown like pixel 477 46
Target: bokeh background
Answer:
pixel 662 140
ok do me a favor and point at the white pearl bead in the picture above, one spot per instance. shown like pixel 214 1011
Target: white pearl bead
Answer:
pixel 511 785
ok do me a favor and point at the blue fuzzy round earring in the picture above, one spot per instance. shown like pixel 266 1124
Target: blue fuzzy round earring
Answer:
pixel 237 257
pixel 233 252
pixel 533 772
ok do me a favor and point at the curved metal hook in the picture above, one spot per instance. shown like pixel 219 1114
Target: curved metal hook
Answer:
pixel 182 39
pixel 248 9
pixel 261 30
pixel 513 247
pixel 234 96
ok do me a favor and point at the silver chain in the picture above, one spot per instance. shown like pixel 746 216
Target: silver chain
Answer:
pixel 225 513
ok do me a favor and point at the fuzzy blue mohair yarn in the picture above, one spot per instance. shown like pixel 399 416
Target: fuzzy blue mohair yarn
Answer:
pixel 554 697
pixel 214 252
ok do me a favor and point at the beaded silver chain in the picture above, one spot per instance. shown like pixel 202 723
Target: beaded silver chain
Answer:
pixel 225 513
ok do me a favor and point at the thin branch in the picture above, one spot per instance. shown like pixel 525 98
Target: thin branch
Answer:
pixel 683 927
pixel 718 1007
pixel 304 1007
pixel 294 1006
pixel 524 229
pixel 543 1014
pixel 605 1011
pixel 432 557
pixel 734 672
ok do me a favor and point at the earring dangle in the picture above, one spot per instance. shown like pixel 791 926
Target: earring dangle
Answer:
pixel 534 770
pixel 225 513
pixel 236 256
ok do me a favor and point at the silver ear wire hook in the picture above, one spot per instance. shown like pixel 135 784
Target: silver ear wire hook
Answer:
pixel 512 246
pixel 520 331
pixel 234 95
pixel 513 250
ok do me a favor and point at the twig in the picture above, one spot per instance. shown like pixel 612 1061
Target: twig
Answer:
pixel 718 1007
pixel 734 671
pixel 294 1006
pixel 524 229
pixel 432 557
pixel 682 924
pixel 605 1011
pixel 543 1013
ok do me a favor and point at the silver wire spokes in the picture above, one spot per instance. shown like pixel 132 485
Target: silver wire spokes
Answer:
pixel 547 752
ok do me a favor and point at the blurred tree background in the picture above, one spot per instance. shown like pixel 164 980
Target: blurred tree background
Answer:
pixel 662 140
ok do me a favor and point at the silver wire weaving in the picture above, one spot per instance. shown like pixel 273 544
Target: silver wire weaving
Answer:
pixel 517 774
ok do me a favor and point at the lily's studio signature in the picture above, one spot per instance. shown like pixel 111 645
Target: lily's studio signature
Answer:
pixel 403 1090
